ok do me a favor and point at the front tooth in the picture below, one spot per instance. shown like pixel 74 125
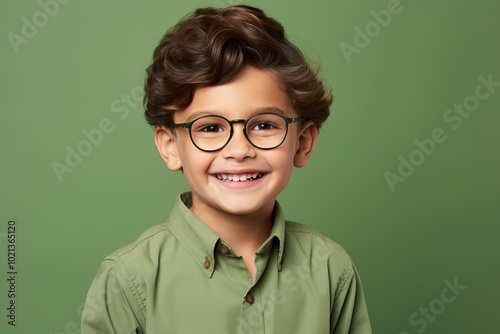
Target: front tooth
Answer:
pixel 239 177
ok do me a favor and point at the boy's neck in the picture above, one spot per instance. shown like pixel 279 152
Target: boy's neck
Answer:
pixel 244 233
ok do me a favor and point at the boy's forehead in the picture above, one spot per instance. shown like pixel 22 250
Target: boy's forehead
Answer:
pixel 252 91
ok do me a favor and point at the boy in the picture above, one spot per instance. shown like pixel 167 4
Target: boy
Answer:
pixel 235 107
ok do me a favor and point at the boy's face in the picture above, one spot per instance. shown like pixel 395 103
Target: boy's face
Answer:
pixel 253 91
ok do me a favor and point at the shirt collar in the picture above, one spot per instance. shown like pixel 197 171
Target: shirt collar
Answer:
pixel 200 241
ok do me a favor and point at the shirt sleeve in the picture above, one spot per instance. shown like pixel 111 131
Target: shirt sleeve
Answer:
pixel 111 305
pixel 349 314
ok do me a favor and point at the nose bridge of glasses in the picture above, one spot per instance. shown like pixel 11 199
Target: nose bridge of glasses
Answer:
pixel 237 133
pixel 236 121
pixel 239 120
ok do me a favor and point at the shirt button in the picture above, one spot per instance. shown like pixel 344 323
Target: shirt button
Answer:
pixel 224 249
pixel 207 264
pixel 250 299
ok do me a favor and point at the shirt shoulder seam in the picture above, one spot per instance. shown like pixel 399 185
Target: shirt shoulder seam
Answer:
pixel 301 228
pixel 333 246
pixel 132 246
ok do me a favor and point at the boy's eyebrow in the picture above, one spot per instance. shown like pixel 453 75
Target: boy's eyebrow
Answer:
pixel 201 113
pixel 259 110
pixel 271 109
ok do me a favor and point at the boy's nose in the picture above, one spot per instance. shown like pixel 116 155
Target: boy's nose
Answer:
pixel 239 147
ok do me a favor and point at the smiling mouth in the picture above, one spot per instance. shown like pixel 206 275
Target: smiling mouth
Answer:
pixel 239 177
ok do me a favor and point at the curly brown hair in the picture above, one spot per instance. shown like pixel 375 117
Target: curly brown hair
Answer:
pixel 212 45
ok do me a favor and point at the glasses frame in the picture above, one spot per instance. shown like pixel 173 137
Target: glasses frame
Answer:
pixel 288 120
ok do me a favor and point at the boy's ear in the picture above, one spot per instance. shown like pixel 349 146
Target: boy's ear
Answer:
pixel 166 142
pixel 305 143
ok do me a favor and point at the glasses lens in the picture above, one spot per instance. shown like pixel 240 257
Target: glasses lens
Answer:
pixel 210 132
pixel 266 130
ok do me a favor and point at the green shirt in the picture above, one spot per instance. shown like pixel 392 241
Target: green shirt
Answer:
pixel 180 277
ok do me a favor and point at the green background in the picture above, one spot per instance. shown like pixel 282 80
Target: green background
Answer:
pixel 442 223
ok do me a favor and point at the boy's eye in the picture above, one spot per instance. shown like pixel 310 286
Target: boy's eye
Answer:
pixel 210 124
pixel 211 128
pixel 263 126
pixel 266 124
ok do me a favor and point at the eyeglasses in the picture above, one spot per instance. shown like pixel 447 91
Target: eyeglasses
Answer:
pixel 212 133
